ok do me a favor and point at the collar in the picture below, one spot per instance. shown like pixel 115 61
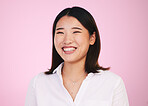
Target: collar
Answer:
pixel 58 72
pixel 58 69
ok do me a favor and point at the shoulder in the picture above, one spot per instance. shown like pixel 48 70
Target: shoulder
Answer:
pixel 42 78
pixel 108 75
pixel 108 78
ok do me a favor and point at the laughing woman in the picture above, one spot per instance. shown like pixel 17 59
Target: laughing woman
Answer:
pixel 75 77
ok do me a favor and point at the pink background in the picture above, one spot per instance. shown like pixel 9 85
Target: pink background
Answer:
pixel 25 43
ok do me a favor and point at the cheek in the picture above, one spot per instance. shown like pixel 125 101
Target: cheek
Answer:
pixel 57 41
pixel 82 41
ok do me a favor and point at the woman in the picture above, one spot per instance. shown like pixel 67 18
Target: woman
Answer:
pixel 75 77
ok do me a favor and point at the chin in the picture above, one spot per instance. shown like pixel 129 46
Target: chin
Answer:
pixel 74 60
pixel 69 60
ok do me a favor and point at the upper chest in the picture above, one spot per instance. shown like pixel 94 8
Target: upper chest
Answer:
pixel 89 93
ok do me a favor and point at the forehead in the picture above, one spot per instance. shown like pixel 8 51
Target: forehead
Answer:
pixel 68 21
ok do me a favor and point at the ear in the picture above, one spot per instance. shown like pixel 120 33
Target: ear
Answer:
pixel 92 38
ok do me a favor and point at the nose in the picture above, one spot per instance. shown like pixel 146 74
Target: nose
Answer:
pixel 68 39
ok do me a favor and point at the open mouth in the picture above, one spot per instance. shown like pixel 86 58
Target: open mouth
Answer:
pixel 69 50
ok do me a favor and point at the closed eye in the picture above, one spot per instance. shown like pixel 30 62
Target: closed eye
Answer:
pixel 60 33
pixel 76 32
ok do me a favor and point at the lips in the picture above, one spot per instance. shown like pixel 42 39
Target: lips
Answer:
pixel 69 49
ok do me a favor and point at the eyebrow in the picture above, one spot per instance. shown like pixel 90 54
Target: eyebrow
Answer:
pixel 72 28
pixel 59 28
pixel 76 28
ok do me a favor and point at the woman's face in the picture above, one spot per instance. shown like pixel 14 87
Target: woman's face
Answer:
pixel 72 39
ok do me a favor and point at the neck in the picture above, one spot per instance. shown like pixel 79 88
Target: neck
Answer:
pixel 74 70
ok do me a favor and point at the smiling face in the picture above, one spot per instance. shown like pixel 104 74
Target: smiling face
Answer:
pixel 72 39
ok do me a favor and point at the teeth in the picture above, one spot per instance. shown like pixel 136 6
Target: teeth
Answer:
pixel 68 49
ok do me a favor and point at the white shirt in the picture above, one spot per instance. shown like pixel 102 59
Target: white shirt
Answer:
pixel 97 89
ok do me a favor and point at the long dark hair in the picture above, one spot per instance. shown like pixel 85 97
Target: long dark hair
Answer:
pixel 86 19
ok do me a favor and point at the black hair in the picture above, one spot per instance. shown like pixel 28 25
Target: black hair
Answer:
pixel 87 20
